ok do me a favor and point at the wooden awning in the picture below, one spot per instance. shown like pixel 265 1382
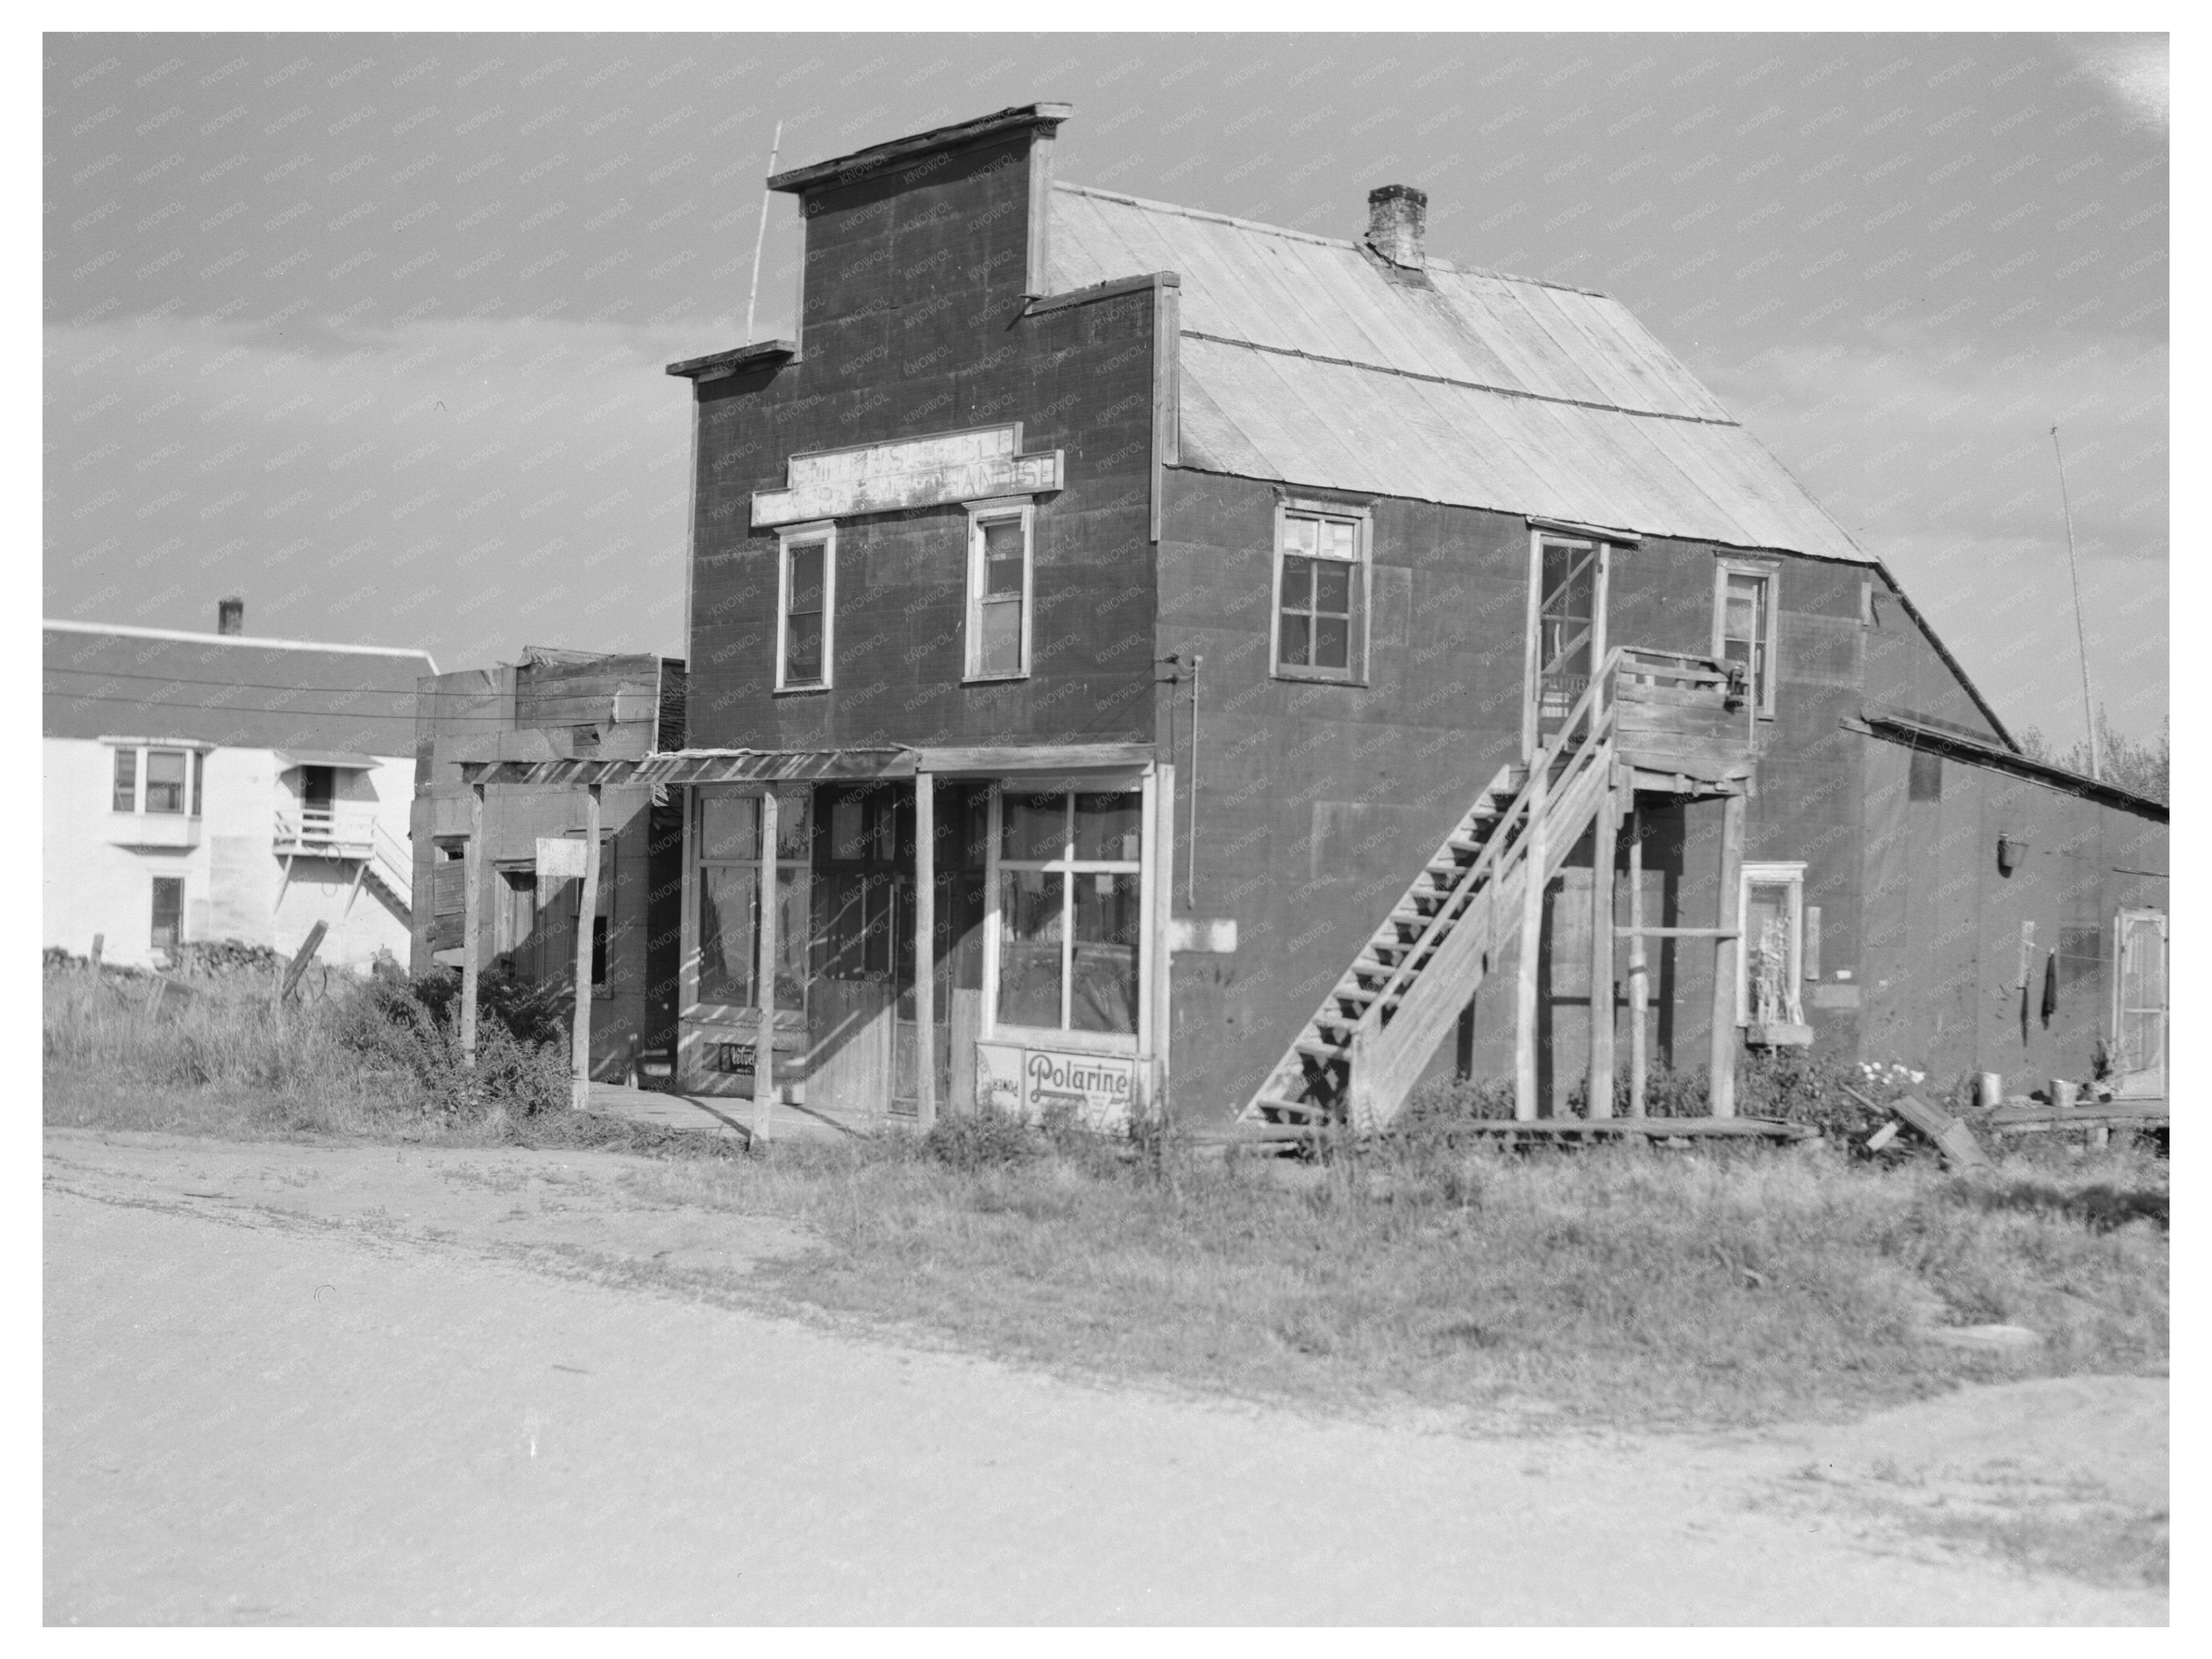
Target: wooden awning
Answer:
pixel 695 766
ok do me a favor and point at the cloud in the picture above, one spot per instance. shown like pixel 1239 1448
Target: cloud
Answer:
pixel 2137 72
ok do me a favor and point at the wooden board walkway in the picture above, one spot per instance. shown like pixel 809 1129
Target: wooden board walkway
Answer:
pixel 717 1116
pixel 1567 1130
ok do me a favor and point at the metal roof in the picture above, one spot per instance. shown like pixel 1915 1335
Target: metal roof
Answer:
pixel 230 689
pixel 1302 362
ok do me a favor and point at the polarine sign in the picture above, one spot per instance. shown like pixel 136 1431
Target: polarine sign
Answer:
pixel 1028 1083
pixel 890 477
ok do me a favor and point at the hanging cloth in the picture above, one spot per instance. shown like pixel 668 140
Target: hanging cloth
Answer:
pixel 2050 988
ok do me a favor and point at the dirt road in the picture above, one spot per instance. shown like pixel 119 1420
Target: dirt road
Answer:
pixel 342 1385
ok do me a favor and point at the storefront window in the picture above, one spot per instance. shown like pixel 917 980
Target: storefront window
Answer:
pixel 1070 911
pixel 726 834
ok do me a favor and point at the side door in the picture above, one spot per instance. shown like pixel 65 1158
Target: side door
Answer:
pixel 2140 1013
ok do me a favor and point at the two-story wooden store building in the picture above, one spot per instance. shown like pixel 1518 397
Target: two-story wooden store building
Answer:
pixel 1197 630
pixel 553 705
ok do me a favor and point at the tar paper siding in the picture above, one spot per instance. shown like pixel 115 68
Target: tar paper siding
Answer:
pixel 1940 979
pixel 1317 803
pixel 913 323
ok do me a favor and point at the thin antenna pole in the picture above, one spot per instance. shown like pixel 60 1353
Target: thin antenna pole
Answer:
pixel 2081 633
pixel 760 242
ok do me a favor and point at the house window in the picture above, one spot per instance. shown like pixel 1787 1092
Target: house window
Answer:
pixel 999 578
pixel 1743 628
pixel 166 781
pixel 1070 911
pixel 126 780
pixel 168 931
pixel 1321 593
pixel 727 835
pixel 1772 963
pixel 806 600
pixel 199 772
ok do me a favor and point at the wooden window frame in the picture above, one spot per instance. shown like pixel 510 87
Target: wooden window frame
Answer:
pixel 1355 672
pixel 1770 872
pixel 193 790
pixel 1763 695
pixel 980 513
pixel 824 531
pixel 1066 1035
pixel 690 1005
pixel 153 906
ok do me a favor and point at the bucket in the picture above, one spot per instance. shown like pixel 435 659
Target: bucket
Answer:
pixel 1988 1090
pixel 2063 1092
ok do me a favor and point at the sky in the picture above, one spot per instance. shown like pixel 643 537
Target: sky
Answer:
pixel 370 330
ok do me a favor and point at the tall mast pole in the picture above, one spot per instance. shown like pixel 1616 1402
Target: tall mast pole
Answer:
pixel 2081 633
pixel 760 240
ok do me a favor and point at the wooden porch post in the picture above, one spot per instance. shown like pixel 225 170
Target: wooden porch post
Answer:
pixel 1725 1038
pixel 925 950
pixel 764 1051
pixel 1638 988
pixel 587 904
pixel 471 924
pixel 1604 835
pixel 1532 932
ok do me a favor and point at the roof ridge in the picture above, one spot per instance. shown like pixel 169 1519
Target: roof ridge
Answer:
pixel 133 632
pixel 1471 385
pixel 1435 260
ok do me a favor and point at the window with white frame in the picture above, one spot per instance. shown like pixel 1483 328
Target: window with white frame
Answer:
pixel 806 607
pixel 999 536
pixel 156 778
pixel 1744 627
pixel 1771 962
pixel 1070 911
pixel 1321 591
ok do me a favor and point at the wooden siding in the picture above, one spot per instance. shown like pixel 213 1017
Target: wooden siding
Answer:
pixel 914 323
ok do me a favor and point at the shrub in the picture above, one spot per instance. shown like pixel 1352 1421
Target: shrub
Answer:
pixel 981 1140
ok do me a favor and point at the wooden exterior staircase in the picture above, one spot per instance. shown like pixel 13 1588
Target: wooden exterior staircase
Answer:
pixel 1654 721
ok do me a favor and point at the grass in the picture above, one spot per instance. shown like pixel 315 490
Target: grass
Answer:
pixel 1721 1285
pixel 1611 1283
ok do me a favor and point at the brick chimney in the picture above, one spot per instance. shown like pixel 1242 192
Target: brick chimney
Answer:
pixel 1397 215
pixel 230 616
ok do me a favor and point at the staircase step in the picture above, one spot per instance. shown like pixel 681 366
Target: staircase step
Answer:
pixel 1303 1107
pixel 1320 1050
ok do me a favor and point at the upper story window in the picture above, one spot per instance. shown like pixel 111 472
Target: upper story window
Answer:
pixel 1320 592
pixel 806 601
pixel 1000 577
pixel 172 780
pixel 1744 627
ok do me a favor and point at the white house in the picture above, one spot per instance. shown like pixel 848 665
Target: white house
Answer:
pixel 204 786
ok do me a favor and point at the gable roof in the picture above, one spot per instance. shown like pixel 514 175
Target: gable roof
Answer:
pixel 231 689
pixel 1304 363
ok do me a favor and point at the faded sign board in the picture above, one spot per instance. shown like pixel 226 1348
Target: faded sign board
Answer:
pixel 1030 1083
pixel 560 858
pixel 936 470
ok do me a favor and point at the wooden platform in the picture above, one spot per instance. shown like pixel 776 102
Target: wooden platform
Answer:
pixel 719 1115
pixel 2095 1114
pixel 1565 1131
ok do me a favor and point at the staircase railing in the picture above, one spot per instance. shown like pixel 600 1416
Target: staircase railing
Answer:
pixel 1421 984
pixel 394 861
